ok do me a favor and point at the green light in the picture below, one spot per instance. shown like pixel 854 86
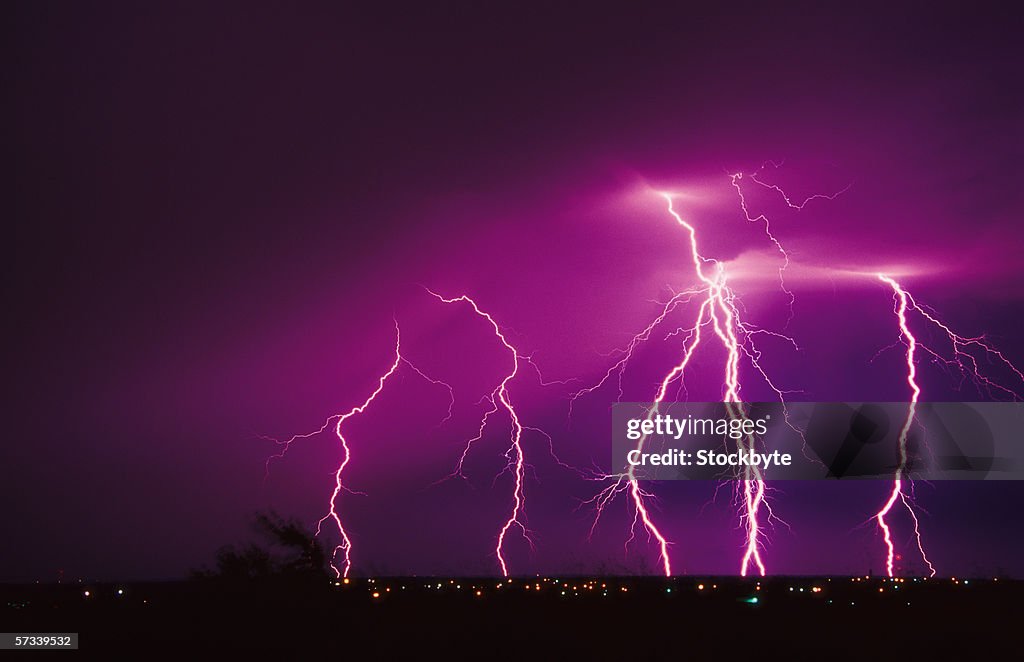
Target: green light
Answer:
pixel 752 600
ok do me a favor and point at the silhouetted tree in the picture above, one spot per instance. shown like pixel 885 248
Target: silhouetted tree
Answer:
pixel 306 555
pixel 290 551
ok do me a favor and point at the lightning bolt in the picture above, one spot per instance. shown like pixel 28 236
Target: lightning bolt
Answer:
pixel 717 310
pixel 333 518
pixel 897 493
pixel 500 399
pixel 719 306
pixel 736 178
pixel 965 362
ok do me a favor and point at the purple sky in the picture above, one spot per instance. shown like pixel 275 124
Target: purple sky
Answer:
pixel 218 211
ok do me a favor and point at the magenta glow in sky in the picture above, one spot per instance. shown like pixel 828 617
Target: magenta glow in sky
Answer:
pixel 220 214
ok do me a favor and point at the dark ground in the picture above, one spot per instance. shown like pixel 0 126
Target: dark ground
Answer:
pixel 640 617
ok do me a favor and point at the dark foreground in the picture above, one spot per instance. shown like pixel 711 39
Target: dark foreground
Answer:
pixel 540 618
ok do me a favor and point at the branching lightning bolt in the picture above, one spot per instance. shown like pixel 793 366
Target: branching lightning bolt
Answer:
pixel 718 310
pixel 344 547
pixel 762 218
pixel 915 393
pixel 499 398
pixel 967 364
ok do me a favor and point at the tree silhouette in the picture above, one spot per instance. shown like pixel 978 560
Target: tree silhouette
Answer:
pixel 290 551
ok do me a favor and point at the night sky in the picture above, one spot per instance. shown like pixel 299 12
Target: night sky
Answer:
pixel 218 212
